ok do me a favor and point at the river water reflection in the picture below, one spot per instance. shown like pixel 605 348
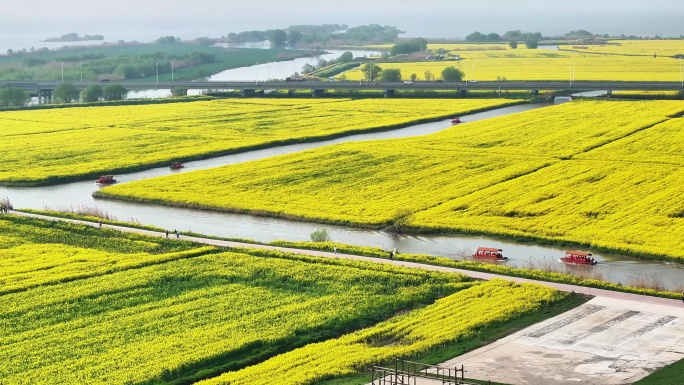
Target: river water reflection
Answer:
pixel 259 72
pixel 614 268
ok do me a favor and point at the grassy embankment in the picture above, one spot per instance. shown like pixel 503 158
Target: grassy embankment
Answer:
pixel 547 175
pixel 671 374
pixel 99 62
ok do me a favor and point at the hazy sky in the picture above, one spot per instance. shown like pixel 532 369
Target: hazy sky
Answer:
pixel 429 18
pixel 214 8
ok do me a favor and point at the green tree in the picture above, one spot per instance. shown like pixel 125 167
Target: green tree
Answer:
pixel 204 41
pixel 167 40
pixel 452 74
pixel 126 71
pixel 345 57
pixel 92 93
pixel 414 45
pixel 513 35
pixel 414 77
pixel 531 43
pixel 428 76
pixel 33 61
pixel 320 235
pixel 114 92
pixel 493 37
pixel 391 75
pixel 13 97
pixel 277 37
pixel 294 37
pixel 371 71
pixel 476 36
pixel 65 93
pixel 513 44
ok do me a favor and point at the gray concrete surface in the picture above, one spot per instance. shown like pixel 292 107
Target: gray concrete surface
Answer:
pixel 603 342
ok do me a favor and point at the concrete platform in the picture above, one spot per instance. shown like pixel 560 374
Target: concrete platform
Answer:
pixel 603 342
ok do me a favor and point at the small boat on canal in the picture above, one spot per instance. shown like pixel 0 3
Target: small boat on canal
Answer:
pixel 456 120
pixel 490 253
pixel 106 179
pixel 176 165
pixel 578 258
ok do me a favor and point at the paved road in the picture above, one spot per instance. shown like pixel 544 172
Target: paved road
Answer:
pixel 475 274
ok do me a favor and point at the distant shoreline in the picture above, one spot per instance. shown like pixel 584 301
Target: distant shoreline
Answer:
pixel 72 37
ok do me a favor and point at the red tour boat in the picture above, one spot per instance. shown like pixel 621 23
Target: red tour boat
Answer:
pixel 106 179
pixel 489 253
pixel 176 165
pixel 456 121
pixel 578 258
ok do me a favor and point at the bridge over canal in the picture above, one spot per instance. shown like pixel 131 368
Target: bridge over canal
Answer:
pixel 44 89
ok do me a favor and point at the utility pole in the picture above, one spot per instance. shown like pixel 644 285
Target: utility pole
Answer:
pixel 62 72
pixel 171 70
pixel 157 73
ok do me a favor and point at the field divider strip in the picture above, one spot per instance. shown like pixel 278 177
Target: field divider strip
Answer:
pixel 627 135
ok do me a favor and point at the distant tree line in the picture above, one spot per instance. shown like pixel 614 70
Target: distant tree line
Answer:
pixel 168 40
pixel 531 39
pixel 67 93
pixel 78 58
pixel 415 45
pixel 13 97
pixel 123 67
pixel 373 72
pixel 140 66
pixel 64 93
pixel 310 34
pixel 578 33
pixel 73 36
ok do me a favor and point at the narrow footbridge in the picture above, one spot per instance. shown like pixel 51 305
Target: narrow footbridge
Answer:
pixel 318 88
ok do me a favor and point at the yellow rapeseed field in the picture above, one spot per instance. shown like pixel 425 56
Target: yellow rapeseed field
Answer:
pixel 165 320
pixel 631 47
pixel 453 318
pixel 538 174
pixel 35 253
pixel 544 65
pixel 46 146
pixel 627 207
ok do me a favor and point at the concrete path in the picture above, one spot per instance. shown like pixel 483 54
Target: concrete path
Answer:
pixel 641 299
pixel 603 342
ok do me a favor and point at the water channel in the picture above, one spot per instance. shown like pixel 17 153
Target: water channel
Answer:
pixel 259 72
pixel 611 267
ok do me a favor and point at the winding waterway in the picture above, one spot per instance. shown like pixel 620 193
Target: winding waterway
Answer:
pixel 259 72
pixel 611 267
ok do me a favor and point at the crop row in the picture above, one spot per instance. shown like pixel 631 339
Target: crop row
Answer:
pixel 47 146
pixel 35 252
pixel 625 207
pixel 448 320
pixel 205 314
